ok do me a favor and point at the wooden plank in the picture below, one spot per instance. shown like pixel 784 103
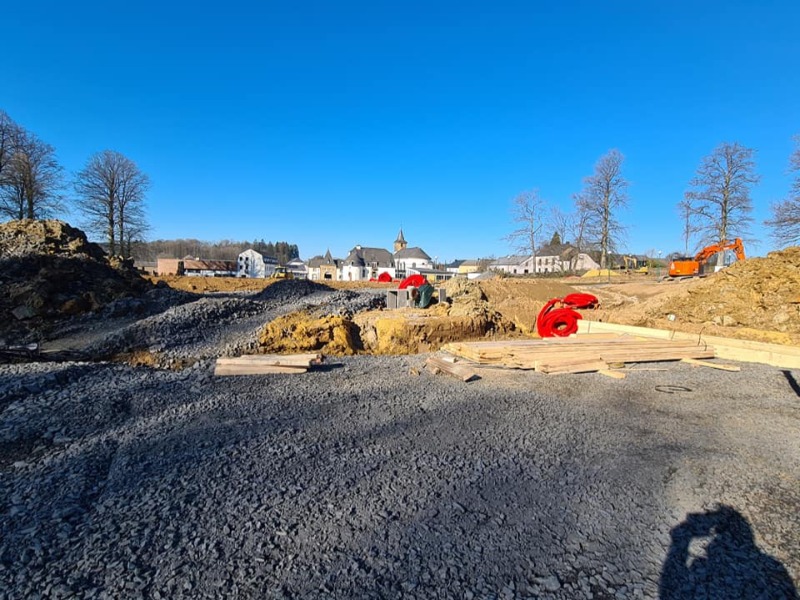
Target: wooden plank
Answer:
pixel 777 355
pixel 223 370
pixel 613 374
pixel 462 372
pixel 705 363
pixel 290 360
pixel 575 366
pixel 523 355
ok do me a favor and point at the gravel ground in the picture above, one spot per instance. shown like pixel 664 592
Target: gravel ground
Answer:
pixel 371 478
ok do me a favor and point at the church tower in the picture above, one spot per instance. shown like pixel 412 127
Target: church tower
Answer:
pixel 400 243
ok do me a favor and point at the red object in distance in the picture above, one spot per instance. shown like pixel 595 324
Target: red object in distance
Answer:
pixel 414 280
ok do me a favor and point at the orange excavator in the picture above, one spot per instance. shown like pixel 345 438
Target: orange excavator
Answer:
pixel 691 267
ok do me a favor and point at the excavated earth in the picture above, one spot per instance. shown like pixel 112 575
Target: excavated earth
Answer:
pixel 127 469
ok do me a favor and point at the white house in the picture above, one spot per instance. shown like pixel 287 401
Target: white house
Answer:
pixel 563 258
pixel 254 265
pixel 409 261
pixel 363 264
pixel 513 265
pixel 298 268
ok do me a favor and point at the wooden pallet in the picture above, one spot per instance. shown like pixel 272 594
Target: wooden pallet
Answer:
pixel 577 353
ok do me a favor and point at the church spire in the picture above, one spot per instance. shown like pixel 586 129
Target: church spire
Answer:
pixel 400 243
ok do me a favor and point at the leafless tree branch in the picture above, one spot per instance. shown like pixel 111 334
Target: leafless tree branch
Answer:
pixel 785 221
pixel 721 199
pixel 111 192
pixel 603 194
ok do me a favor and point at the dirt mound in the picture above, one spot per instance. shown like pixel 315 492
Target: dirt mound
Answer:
pixel 51 238
pixel 303 331
pixel 758 298
pixel 468 315
pixel 50 271
pixel 762 293
pixel 520 300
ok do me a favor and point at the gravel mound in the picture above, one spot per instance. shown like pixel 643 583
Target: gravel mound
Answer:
pixel 222 324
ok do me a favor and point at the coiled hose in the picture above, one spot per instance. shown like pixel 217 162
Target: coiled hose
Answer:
pixel 558 317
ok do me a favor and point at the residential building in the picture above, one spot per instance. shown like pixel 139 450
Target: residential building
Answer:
pixel 324 268
pixel 363 264
pixel 196 267
pixel 254 265
pixel 563 258
pixel 297 267
pixel 513 265
pixel 408 261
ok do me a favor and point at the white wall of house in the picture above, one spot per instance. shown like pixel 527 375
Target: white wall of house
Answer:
pixel 406 264
pixel 254 265
pixel 355 273
pixel 554 264
pixel 514 267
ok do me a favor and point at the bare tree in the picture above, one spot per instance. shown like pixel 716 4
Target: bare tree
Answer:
pixel 688 224
pixel 721 196
pixel 528 212
pixel 561 223
pixel 9 139
pixel 111 192
pixel 602 195
pixel 32 180
pixel 785 221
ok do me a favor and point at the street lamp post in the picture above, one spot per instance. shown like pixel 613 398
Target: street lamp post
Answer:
pixel 659 264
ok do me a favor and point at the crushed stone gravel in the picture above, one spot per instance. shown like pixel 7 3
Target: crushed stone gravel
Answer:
pixel 371 478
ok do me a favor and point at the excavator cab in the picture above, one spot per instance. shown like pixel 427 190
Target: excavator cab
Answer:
pixel 693 267
pixel 282 273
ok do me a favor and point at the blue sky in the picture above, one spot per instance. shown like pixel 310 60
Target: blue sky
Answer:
pixel 330 124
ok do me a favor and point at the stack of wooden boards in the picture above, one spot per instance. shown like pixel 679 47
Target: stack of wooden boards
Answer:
pixel 578 353
pixel 260 364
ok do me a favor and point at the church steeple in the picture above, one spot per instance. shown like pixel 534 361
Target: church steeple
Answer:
pixel 400 243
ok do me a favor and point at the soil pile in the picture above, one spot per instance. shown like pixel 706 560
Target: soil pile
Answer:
pixel 761 293
pixel 50 271
pixel 466 315
pixel 758 298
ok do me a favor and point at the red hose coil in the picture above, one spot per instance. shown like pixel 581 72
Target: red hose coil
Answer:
pixel 563 321
pixel 413 280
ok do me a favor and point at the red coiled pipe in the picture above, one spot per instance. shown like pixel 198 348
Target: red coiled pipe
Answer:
pixel 562 321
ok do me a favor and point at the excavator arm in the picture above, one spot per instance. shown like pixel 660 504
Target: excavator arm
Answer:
pixel 690 267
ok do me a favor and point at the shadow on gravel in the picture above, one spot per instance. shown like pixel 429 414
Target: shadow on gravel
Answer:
pixel 792 381
pixel 714 555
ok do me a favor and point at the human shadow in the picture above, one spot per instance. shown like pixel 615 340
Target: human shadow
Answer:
pixel 791 381
pixel 731 565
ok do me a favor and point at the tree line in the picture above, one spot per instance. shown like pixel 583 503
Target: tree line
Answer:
pixel 716 208
pixel 108 193
pixel 144 251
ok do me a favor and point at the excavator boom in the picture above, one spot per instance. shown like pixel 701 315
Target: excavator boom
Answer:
pixel 688 267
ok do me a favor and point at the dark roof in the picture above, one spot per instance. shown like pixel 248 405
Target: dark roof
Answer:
pixel 414 252
pixel 317 261
pixel 360 257
pixel 400 237
pixel 560 250
pixel 209 265
pixel 511 260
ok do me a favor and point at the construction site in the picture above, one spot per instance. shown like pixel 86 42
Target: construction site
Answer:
pixel 610 436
